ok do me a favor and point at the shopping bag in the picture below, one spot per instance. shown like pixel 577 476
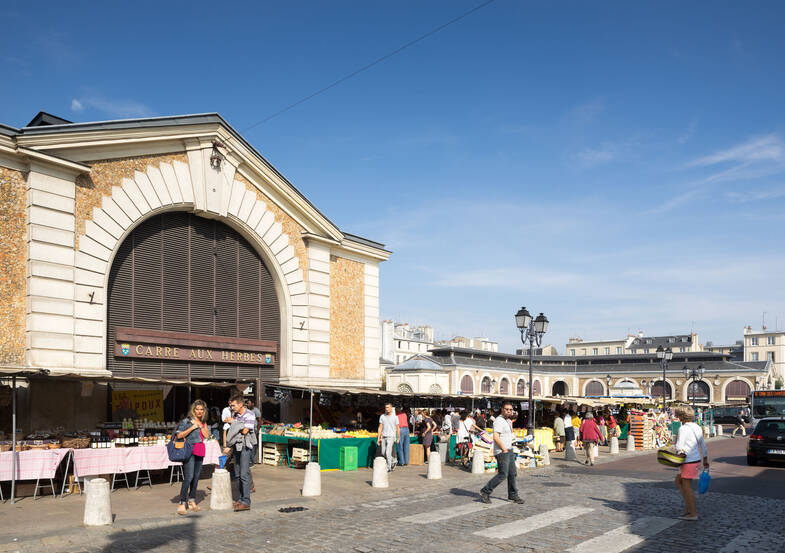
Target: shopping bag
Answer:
pixel 704 481
pixel 669 457
pixel 178 449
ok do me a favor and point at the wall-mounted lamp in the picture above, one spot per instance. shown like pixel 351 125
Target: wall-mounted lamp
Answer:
pixel 216 158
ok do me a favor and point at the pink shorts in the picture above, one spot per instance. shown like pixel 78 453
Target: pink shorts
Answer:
pixel 690 471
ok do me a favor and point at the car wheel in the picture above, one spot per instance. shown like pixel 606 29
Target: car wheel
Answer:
pixel 751 461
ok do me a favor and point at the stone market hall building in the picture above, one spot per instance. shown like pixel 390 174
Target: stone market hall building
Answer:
pixel 169 248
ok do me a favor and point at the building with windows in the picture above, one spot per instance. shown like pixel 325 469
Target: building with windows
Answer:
pixel 736 350
pixel 461 371
pixel 168 249
pixel 483 344
pixel 401 341
pixel 633 344
pixel 766 345
pixel 547 350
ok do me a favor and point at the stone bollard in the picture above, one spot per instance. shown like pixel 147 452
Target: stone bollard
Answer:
pixel 719 430
pixel 630 442
pixel 221 491
pixel 98 504
pixel 478 463
pixel 434 466
pixel 595 451
pixel 443 448
pixel 569 452
pixel 614 445
pixel 705 431
pixel 312 485
pixel 380 476
pixel 545 454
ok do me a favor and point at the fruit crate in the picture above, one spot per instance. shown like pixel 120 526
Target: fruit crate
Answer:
pixel 273 453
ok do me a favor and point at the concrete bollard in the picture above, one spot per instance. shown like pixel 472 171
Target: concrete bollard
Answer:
pixel 221 491
pixel 614 445
pixel 630 442
pixel 312 485
pixel 478 463
pixel 434 466
pixel 719 430
pixel 569 452
pixel 545 455
pixel 98 504
pixel 705 431
pixel 595 451
pixel 380 476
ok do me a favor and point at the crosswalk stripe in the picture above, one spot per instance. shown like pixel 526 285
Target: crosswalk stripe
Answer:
pixel 626 536
pixel 753 540
pixel 446 514
pixel 535 522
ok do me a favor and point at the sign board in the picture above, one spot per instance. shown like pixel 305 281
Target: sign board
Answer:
pixel 138 404
pixel 135 343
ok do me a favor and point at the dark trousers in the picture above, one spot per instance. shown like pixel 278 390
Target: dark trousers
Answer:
pixel 242 470
pixel 192 468
pixel 506 471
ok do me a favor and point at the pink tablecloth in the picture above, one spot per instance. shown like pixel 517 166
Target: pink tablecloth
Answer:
pixel 91 462
pixel 32 464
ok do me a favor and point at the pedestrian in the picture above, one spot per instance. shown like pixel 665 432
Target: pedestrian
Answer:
pixel 249 404
pixel 569 430
pixel 405 439
pixel 194 430
pixel 447 424
pixel 558 432
pixel 480 419
pixel 228 418
pixel 388 434
pixel 455 419
pixel 603 429
pixel 241 439
pixel 690 442
pixel 739 424
pixel 590 436
pixel 503 436
pixel 428 427
pixel 613 426
pixel 466 427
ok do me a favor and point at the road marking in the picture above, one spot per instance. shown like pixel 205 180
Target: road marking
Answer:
pixel 753 540
pixel 452 512
pixel 624 537
pixel 529 524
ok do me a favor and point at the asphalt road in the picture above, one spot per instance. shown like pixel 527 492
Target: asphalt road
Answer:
pixel 728 466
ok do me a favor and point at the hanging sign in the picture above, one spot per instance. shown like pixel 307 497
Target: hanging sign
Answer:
pixel 138 404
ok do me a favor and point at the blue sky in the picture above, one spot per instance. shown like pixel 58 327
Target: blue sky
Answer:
pixel 620 167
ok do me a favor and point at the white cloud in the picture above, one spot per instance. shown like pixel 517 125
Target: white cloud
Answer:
pixel 747 196
pixel 112 107
pixel 675 202
pixel 591 157
pixel 769 148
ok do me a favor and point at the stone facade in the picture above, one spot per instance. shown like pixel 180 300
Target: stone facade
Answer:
pixel 13 266
pixel 347 316
pixel 92 187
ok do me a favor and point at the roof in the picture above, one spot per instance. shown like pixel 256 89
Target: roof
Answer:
pixel 418 363
pixel 44 123
pixel 661 341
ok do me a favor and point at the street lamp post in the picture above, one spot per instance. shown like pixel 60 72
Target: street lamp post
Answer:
pixel 532 330
pixel 608 383
pixel 695 375
pixel 664 355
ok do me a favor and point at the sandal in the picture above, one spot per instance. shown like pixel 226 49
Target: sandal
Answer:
pixel 181 510
pixel 193 506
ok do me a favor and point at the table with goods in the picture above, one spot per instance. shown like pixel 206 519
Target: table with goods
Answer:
pixel 288 444
pixel 112 448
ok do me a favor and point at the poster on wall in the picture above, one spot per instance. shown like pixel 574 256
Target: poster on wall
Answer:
pixel 138 404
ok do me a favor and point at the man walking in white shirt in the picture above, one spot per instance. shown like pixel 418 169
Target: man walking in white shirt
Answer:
pixel 503 436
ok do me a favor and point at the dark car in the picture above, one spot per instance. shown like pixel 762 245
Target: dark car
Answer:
pixel 767 441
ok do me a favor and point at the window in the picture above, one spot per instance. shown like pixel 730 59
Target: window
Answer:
pixel 504 386
pixel 607 351
pixel 671 340
pixel 572 352
pixel 595 389
pixel 682 350
pixel 769 340
pixel 770 356
pixel 648 340
pixel 754 356
pixel 520 388
pixel 683 338
pixel 595 351
pixel 646 350
pixel 485 386
pixel 467 384
pixel 618 351
pixel 754 340
pixel 399 344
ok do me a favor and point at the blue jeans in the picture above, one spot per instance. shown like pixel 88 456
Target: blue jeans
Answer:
pixel 506 471
pixel 242 467
pixel 403 447
pixel 192 468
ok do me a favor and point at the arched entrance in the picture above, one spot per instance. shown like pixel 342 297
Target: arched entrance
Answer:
pixel 559 388
pixel 595 389
pixel 504 386
pixel 520 387
pixel 738 390
pixel 467 384
pixel 698 392
pixel 198 297
pixel 656 390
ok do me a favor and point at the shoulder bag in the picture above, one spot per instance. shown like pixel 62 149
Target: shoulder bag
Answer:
pixel 199 448
pixel 178 449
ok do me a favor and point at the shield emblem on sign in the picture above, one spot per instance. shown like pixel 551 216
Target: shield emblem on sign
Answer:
pixel 268 358
pixel 125 349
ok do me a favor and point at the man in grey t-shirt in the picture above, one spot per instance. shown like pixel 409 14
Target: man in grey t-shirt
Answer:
pixel 389 434
pixel 503 437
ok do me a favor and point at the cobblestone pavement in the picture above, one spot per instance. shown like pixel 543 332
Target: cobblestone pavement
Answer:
pixel 565 510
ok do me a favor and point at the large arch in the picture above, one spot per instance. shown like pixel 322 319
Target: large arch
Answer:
pixel 467 384
pixel 560 388
pixel 656 389
pixel 700 389
pixel 520 387
pixel 593 388
pixel 181 187
pixel 736 389
pixel 504 386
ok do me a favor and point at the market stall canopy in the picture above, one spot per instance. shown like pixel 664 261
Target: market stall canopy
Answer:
pixel 140 380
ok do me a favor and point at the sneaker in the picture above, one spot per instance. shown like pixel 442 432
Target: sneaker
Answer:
pixel 518 500
pixel 485 498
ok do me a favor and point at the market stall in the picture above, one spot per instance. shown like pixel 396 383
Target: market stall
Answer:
pixel 93 462
pixel 34 464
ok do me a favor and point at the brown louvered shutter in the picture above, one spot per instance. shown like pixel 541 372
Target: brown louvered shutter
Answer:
pixel 178 272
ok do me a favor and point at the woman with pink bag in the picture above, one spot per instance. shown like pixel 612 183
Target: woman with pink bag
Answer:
pixel 194 430
pixel 590 436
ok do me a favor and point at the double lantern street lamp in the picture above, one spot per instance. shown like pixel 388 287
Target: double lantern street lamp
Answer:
pixel 532 330
pixel 664 355
pixel 695 374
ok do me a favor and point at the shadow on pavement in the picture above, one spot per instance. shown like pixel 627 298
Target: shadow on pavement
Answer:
pixel 182 534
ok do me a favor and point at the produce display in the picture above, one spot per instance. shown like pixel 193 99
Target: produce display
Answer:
pixel 297 430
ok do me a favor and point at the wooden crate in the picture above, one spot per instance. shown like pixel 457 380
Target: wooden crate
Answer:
pixel 300 455
pixel 272 453
pixel 416 454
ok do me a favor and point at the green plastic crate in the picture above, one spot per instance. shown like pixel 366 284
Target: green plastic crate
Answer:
pixel 347 459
